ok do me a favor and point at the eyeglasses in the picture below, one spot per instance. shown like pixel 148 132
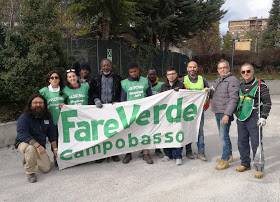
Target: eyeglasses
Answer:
pixel 70 70
pixel 171 74
pixel 54 77
pixel 246 71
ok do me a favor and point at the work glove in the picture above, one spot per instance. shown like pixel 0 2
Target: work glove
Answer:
pixel 261 122
pixel 98 103
pixel 207 90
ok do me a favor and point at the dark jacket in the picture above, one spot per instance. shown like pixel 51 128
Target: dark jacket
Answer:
pixel 95 88
pixel 29 127
pixel 166 86
pixel 265 97
pixel 148 92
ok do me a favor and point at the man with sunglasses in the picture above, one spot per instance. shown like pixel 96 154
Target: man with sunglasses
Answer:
pixel 224 98
pixel 247 116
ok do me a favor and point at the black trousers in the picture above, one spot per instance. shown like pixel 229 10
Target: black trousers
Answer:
pixel 248 132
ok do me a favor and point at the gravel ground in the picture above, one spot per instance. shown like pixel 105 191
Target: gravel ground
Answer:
pixel 163 181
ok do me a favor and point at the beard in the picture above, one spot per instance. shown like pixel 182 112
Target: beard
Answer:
pixel 38 112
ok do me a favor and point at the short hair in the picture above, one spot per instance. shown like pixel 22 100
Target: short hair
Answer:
pixel 105 59
pixel 152 69
pixel 192 61
pixel 85 66
pixel 170 69
pixel 225 62
pixel 27 108
pixel 247 64
pixel 132 65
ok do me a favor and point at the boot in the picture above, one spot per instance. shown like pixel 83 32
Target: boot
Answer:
pixel 31 177
pixel 159 153
pixel 222 164
pixel 258 174
pixel 190 155
pixel 148 159
pixel 127 158
pixel 116 158
pixel 230 160
pixel 242 168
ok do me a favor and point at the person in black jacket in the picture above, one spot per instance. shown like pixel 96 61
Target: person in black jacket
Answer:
pixel 172 82
pixel 34 126
pixel 105 88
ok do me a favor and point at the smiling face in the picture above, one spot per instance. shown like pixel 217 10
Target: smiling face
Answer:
pixel 54 80
pixel 72 78
pixel 171 75
pixel 134 72
pixel 106 67
pixel 223 69
pixel 192 69
pixel 152 75
pixel 247 72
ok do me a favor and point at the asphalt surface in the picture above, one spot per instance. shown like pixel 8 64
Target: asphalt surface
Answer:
pixel 163 181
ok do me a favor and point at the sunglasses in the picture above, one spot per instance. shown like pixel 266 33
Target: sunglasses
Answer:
pixel 247 71
pixel 70 70
pixel 54 77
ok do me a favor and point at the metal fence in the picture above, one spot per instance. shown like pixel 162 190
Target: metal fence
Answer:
pixel 91 51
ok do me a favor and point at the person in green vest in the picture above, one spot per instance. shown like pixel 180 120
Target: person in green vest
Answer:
pixel 193 81
pixel 247 116
pixel 75 93
pixel 133 88
pixel 53 94
pixel 156 86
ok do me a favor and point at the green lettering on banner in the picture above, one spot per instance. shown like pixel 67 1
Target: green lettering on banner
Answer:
pixel 190 112
pixel 168 137
pixel 180 136
pixel 143 118
pixel 123 117
pixel 94 125
pixel 64 153
pixel 83 133
pixel 178 108
pixel 79 154
pixel 93 149
pixel 110 127
pixel 66 125
pixel 131 139
pixel 107 146
pixel 146 139
pixel 118 143
pixel 157 138
pixel 157 109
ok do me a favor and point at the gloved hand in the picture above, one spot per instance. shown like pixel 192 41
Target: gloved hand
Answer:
pixel 176 89
pixel 98 103
pixel 207 90
pixel 261 122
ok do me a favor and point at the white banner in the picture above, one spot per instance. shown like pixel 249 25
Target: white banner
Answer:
pixel 168 119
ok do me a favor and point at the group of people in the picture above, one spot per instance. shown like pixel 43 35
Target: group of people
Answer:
pixel 227 96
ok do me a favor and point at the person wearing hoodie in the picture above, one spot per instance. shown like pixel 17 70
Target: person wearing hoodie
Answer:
pixel 224 98
pixel 133 88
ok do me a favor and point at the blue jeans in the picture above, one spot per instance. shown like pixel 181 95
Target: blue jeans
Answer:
pixel 224 135
pixel 173 153
pixel 200 142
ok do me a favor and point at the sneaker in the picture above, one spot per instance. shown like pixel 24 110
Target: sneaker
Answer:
pixel 178 162
pixel 165 159
pixel 159 153
pixel 258 174
pixel 31 178
pixel 116 158
pixel 222 164
pixel 201 156
pixel 190 156
pixel 148 159
pixel 242 168
pixel 127 158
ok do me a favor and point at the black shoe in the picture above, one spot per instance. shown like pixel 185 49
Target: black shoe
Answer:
pixel 116 158
pixel 127 158
pixel 99 160
pixel 31 178
pixel 159 153
pixel 190 156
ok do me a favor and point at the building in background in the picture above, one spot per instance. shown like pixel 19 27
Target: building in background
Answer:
pixel 246 32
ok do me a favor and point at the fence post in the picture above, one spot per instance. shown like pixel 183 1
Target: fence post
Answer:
pixel 97 55
pixel 120 56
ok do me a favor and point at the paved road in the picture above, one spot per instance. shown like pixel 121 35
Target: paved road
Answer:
pixel 163 181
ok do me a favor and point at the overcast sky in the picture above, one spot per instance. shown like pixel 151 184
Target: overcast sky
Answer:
pixel 243 9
